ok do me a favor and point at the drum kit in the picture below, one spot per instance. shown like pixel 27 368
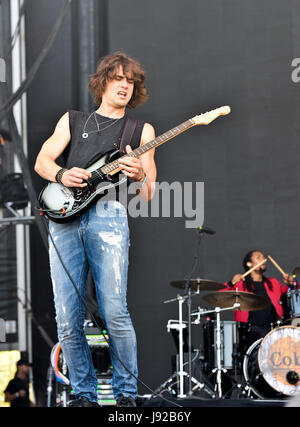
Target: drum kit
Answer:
pixel 268 368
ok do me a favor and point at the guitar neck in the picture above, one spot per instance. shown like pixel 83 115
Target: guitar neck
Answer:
pixel 113 167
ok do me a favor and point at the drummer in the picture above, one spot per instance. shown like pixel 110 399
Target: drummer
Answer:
pixel 270 288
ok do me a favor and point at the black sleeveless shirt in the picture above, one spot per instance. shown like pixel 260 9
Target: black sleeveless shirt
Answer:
pixel 83 152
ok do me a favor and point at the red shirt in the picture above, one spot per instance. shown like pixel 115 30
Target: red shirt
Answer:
pixel 274 294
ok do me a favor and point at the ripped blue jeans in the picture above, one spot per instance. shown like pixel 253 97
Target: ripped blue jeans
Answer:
pixel 99 240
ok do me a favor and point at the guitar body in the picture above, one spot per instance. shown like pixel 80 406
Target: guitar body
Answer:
pixel 63 204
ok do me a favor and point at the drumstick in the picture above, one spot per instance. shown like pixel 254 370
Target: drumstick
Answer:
pixel 276 265
pixel 251 269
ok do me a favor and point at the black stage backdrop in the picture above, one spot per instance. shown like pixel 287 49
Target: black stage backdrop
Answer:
pixel 198 55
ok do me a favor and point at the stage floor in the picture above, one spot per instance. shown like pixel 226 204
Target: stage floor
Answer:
pixel 209 403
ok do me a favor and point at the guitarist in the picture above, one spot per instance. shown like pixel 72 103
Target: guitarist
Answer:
pixel 99 238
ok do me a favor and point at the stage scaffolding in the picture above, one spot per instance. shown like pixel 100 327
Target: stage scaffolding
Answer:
pixel 14 224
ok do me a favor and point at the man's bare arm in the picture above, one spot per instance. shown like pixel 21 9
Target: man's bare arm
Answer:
pixel 46 165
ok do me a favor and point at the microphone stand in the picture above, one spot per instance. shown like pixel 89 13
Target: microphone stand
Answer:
pixel 187 292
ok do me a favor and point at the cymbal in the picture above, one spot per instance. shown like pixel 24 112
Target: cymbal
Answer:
pixel 248 301
pixel 198 284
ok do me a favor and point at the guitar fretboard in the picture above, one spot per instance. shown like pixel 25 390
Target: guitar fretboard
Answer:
pixel 114 166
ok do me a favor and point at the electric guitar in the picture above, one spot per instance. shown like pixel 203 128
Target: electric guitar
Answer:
pixel 63 204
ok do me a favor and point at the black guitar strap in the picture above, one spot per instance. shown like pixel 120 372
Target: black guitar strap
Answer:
pixel 128 131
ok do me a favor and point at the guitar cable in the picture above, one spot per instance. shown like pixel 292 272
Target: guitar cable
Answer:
pixel 96 323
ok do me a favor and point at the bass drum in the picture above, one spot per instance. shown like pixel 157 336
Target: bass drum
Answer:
pixel 271 365
pixel 253 376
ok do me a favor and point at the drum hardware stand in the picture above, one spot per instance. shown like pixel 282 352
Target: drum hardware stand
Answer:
pixel 180 325
pixel 201 231
pixel 237 383
pixel 219 368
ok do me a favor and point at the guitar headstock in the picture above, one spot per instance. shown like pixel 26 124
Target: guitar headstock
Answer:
pixel 206 118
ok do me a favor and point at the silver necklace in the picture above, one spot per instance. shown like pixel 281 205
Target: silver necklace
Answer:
pixel 111 122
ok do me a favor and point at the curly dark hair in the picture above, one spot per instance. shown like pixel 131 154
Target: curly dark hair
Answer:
pixel 248 282
pixel 107 69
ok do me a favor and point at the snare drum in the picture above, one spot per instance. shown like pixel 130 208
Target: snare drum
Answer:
pixel 271 366
pixel 291 304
